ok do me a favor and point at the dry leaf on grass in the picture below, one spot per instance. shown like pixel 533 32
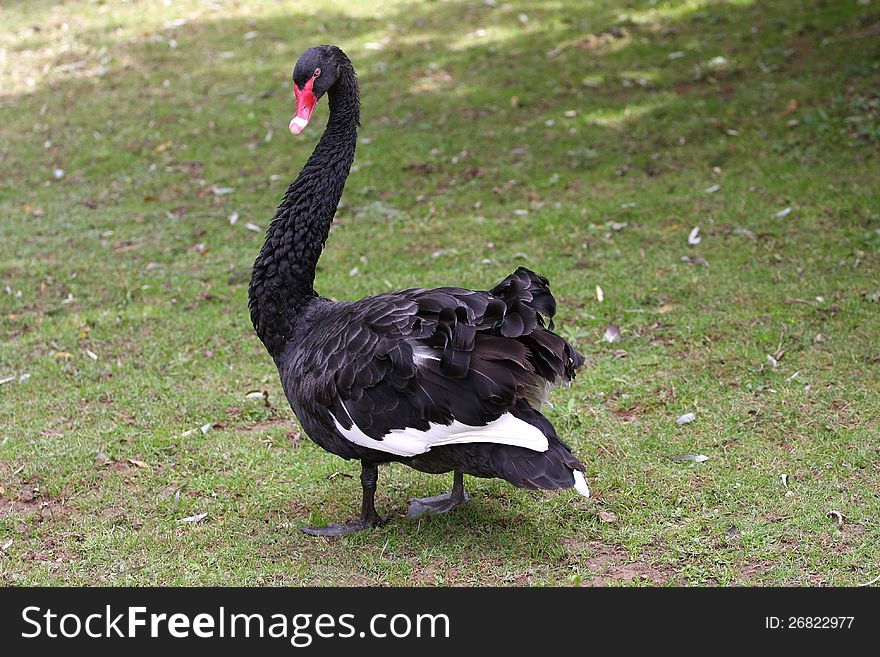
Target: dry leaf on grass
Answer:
pixel 205 428
pixel 196 518
pixel 259 394
pixel 784 212
pixel 687 418
pixel 873 581
pixel 612 333
pixel 696 458
pixel 607 516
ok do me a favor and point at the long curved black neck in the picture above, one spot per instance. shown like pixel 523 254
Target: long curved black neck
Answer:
pixel 282 282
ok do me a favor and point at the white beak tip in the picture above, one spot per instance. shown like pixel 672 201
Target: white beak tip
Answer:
pixel 298 124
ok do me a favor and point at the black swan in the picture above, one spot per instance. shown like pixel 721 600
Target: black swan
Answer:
pixel 441 380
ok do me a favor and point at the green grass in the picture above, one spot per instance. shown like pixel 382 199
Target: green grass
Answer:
pixel 577 138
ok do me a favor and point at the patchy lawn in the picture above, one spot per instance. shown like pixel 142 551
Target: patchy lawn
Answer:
pixel 144 148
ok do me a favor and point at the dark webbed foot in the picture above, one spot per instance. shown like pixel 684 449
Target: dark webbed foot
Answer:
pixel 440 503
pixel 336 529
pixel 369 518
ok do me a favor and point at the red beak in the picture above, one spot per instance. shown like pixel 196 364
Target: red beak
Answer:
pixel 305 104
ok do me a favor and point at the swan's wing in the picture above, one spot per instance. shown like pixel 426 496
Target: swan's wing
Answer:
pixel 405 372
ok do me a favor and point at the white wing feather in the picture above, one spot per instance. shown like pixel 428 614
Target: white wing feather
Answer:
pixel 506 430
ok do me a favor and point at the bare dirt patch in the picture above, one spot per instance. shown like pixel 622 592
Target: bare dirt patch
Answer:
pixel 628 414
pixel 29 505
pixel 259 428
pixel 612 564
pixel 50 550
pixel 752 570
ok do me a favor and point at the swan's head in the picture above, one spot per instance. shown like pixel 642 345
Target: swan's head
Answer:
pixel 315 72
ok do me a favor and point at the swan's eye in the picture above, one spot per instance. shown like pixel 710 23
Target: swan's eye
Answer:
pixel 317 73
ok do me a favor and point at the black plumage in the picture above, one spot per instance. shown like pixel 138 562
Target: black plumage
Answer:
pixel 445 379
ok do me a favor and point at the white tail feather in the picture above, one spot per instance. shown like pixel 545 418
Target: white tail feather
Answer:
pixel 580 483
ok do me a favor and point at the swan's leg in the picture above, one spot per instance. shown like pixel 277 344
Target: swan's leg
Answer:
pixel 440 503
pixel 369 518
